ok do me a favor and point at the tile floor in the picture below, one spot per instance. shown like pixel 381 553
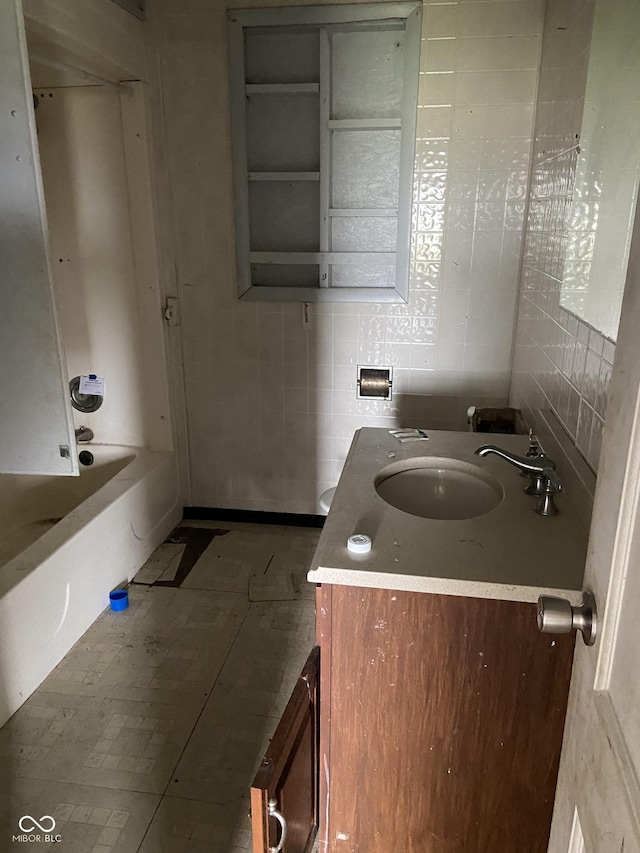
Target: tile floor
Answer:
pixel 146 736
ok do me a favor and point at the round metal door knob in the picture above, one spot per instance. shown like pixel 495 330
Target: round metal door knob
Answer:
pixel 558 616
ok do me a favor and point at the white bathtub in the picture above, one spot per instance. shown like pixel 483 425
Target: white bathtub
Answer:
pixel 56 575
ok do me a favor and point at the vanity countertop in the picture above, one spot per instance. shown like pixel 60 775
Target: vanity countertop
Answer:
pixel 509 553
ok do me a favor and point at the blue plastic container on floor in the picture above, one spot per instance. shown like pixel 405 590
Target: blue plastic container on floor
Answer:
pixel 119 599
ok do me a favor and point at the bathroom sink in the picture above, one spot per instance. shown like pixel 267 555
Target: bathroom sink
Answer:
pixel 439 488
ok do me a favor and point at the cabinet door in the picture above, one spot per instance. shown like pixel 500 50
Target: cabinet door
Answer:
pixel 445 723
pixel 287 781
pixel 37 429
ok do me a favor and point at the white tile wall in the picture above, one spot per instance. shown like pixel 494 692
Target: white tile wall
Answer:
pixel 559 362
pixel 271 407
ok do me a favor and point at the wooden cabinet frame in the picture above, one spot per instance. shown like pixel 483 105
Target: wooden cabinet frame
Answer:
pixel 441 724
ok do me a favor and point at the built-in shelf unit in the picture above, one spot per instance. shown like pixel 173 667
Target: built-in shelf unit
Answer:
pixel 323 117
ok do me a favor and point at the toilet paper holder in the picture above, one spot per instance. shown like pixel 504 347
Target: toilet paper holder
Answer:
pixel 374 382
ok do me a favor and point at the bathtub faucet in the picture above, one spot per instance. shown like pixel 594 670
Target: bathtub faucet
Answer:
pixel 83 433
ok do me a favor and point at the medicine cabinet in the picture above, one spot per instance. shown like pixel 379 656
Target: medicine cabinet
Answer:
pixel 323 102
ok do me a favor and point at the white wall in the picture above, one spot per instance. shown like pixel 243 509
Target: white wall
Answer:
pixel 271 408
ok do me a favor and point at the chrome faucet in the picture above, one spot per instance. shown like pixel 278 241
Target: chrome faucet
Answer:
pixel 83 433
pixel 544 484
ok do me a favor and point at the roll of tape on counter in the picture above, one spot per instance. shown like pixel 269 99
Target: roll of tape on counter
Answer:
pixel 359 543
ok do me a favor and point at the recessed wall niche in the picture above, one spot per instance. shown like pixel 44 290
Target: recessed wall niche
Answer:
pixel 323 121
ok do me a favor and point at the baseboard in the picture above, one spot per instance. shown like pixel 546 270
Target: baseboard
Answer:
pixel 251 516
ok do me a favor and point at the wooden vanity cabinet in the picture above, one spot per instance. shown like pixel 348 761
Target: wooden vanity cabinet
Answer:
pixel 440 724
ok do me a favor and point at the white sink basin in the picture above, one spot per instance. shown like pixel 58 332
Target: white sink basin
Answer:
pixel 437 487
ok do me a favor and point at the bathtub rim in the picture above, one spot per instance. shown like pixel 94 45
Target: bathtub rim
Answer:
pixel 76 522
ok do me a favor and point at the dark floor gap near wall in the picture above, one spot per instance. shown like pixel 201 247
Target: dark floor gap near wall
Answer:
pixel 291 519
pixel 196 541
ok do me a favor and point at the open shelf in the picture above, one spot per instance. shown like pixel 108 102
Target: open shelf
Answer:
pixel 365 124
pixel 282 88
pixel 323 109
pixel 284 176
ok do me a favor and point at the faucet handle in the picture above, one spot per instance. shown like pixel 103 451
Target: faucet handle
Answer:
pixel 551 486
pixel 534 445
pixel 534 450
pixel 551 480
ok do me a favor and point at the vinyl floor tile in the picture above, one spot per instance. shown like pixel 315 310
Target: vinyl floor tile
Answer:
pixel 170 651
pixel 216 573
pixel 273 587
pixel 223 756
pixel 109 743
pixel 162 564
pixel 231 736
pixel 228 563
pixel 146 737
pixel 190 826
pixel 88 819
pixel 255 551
pixel 265 661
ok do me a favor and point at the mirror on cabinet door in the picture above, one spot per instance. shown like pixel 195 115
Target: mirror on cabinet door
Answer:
pixel 607 171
